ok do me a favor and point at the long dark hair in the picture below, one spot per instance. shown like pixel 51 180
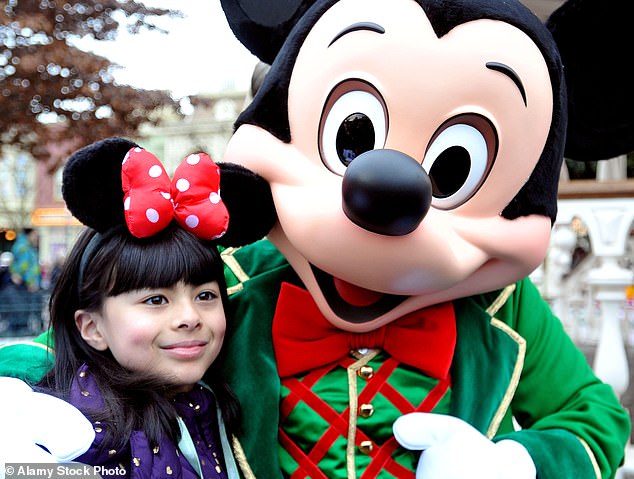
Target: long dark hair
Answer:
pixel 105 265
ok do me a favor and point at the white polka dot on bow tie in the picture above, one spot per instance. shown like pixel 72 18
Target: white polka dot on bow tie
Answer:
pixel 166 195
pixel 214 197
pixel 182 185
pixel 155 171
pixel 192 221
pixel 126 204
pixel 193 159
pixel 152 215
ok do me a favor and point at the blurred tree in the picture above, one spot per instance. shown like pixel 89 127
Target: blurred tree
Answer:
pixel 53 94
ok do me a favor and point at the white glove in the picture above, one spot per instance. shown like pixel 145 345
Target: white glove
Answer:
pixel 453 449
pixel 28 418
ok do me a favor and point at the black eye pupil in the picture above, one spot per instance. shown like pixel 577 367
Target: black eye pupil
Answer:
pixel 355 136
pixel 450 171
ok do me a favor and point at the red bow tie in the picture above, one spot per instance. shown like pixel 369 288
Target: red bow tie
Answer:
pixel 303 338
pixel 151 200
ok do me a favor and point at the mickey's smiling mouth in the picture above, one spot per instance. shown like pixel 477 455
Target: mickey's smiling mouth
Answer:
pixel 353 303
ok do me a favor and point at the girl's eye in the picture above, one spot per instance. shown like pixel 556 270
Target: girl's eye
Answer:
pixel 207 296
pixel 156 300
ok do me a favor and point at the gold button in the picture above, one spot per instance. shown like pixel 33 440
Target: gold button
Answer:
pixel 366 447
pixel 366 410
pixel 366 372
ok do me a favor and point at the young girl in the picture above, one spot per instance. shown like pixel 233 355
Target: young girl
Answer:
pixel 138 321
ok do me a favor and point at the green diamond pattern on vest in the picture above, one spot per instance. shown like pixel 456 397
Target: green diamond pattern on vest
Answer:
pixel 316 422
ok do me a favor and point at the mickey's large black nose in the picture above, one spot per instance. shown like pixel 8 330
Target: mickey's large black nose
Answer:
pixel 386 192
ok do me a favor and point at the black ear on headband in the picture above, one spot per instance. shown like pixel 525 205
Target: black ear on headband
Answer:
pixel 91 183
pixel 92 190
pixel 261 26
pixel 249 201
pixel 595 43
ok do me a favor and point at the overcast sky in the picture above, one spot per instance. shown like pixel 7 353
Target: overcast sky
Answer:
pixel 199 55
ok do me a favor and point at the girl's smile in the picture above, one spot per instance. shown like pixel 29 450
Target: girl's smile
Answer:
pixel 186 349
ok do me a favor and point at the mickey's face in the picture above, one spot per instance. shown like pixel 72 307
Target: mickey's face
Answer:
pixel 405 149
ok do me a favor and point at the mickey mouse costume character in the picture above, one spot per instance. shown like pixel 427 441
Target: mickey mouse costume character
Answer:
pixel 402 158
pixel 393 296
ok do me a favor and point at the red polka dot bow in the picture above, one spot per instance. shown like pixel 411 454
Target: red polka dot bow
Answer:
pixel 151 200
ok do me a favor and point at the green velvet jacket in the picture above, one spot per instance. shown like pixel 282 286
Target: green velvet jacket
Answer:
pixel 512 360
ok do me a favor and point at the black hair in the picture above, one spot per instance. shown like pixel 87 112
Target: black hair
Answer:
pixel 120 263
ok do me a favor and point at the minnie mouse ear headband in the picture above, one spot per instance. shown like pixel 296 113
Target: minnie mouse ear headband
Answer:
pixel 114 182
pixel 150 199
pixel 116 176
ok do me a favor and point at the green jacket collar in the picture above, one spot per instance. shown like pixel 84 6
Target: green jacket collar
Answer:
pixel 489 358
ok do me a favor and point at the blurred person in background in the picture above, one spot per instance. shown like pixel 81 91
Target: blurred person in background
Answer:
pixel 26 265
pixel 6 258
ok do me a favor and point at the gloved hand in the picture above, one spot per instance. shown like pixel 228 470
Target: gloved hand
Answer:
pixel 453 449
pixel 28 418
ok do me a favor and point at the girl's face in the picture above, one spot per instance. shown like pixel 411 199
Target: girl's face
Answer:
pixel 174 333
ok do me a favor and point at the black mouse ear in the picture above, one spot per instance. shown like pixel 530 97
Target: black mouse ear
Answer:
pixel 595 42
pixel 249 201
pixel 91 183
pixel 263 26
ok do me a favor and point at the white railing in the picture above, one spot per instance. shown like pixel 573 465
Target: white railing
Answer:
pixel 598 286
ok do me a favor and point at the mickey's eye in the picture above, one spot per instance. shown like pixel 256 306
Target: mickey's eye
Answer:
pixel 352 123
pixel 458 160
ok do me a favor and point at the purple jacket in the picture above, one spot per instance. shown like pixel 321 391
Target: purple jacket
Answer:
pixel 203 451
